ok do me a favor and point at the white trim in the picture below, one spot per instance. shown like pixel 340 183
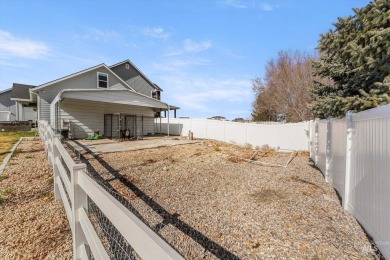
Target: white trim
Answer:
pixel 97 79
pixel 34 90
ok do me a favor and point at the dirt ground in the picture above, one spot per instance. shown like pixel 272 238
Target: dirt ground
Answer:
pixel 33 225
pixel 207 202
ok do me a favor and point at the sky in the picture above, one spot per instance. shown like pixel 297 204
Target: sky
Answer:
pixel 203 54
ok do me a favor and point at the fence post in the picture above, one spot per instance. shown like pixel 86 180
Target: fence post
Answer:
pixel 328 170
pixel 348 159
pixel 79 201
pixel 316 140
pixel 56 154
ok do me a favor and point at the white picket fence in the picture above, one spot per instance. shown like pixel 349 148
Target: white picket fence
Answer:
pixel 354 155
pixel 292 136
pixel 79 187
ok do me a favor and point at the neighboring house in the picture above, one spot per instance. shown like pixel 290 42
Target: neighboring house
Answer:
pixel 239 119
pixel 25 102
pixel 218 118
pixel 99 99
pixel 7 106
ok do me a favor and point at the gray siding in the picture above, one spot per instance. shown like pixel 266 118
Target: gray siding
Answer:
pixel 6 104
pixel 86 80
pixel 87 116
pixel 134 79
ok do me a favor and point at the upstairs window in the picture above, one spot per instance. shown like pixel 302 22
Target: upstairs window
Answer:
pixel 102 80
pixel 127 66
pixel 156 94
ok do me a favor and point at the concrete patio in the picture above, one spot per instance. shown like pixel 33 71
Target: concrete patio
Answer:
pixel 110 146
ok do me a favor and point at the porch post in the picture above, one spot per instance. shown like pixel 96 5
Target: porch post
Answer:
pixel 160 121
pixel 168 120
pixel 174 113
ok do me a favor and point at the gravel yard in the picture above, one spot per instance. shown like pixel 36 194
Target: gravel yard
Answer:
pixel 208 203
pixel 33 224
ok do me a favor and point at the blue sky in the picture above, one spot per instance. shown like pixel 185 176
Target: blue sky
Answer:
pixel 202 53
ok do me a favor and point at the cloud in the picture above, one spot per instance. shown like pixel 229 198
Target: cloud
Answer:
pixel 203 93
pixel 189 47
pixel 11 46
pixel 178 64
pixel 156 32
pixel 265 6
pixel 235 3
pixel 194 47
pixel 99 35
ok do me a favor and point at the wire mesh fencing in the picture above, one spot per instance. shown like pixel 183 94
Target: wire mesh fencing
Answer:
pixel 113 241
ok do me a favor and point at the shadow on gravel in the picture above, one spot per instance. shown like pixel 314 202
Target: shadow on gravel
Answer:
pixel 168 218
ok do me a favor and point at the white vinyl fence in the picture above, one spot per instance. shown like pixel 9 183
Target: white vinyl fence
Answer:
pixel 75 189
pixel 292 136
pixel 354 155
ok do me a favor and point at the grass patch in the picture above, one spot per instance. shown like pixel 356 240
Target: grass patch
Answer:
pixel 50 181
pixel 7 191
pixel 3 177
pixel 8 139
pixel 1 200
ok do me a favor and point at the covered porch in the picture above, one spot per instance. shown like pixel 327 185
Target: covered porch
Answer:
pixel 106 112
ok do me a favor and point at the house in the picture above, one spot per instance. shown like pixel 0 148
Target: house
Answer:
pixel 7 106
pixel 222 118
pixel 239 119
pixel 17 103
pixel 102 99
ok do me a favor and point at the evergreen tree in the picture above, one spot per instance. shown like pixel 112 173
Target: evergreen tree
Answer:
pixel 356 56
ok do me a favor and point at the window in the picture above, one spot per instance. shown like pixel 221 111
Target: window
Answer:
pixel 156 94
pixel 102 80
pixel 127 66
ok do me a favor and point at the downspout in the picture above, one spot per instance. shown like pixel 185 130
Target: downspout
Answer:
pixel 168 119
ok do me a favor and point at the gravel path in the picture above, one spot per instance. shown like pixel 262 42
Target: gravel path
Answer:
pixel 207 203
pixel 33 225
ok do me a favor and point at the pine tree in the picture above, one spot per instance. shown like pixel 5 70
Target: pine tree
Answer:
pixel 356 56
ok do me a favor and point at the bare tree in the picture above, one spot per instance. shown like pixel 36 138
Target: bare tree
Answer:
pixel 285 88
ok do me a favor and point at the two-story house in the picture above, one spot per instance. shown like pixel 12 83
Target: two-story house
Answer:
pixel 98 99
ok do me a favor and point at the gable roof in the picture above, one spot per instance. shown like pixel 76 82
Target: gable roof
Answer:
pixel 139 71
pixel 5 90
pixel 21 91
pixel 79 73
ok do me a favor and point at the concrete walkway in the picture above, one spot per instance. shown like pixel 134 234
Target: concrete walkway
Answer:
pixel 111 146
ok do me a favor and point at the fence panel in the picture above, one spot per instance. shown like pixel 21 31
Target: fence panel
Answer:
pixel 284 136
pixel 338 154
pixel 199 128
pixel 358 167
pixel 258 135
pixel 322 134
pixel 215 131
pixel 312 136
pixel 370 174
pixel 76 194
pixel 234 132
